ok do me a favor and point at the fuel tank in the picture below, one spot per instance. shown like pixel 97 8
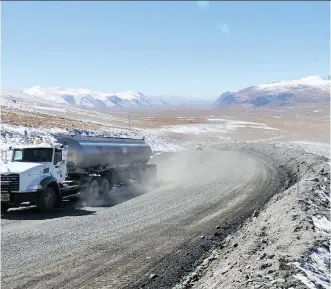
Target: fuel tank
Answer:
pixel 87 153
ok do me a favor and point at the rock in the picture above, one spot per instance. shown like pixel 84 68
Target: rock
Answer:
pixel 235 245
pixel 271 256
pixel 248 266
pixel 297 228
pixel 152 276
pixel 263 256
pixel 303 206
pixel 270 271
pixel 295 217
pixel 280 280
pixel 225 270
pixel 283 274
pixel 205 262
pixel 265 265
pixel 199 268
pixel 194 276
pixel 247 277
pixel 264 241
pixel 218 227
pixel 255 214
pixel 269 277
pixel 202 237
pixel 263 234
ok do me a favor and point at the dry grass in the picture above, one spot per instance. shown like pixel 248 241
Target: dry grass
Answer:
pixel 310 121
pixel 16 117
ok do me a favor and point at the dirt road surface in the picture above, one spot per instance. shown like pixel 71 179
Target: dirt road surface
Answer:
pixel 160 232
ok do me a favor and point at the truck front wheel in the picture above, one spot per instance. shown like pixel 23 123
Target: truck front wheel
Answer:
pixel 47 201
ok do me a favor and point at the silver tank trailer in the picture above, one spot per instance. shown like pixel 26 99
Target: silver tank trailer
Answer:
pixel 88 152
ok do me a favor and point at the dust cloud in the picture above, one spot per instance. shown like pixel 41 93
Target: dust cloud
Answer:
pixel 174 171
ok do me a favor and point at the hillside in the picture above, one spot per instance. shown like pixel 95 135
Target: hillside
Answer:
pixel 310 89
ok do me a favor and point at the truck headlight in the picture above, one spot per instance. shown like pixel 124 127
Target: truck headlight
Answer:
pixel 34 187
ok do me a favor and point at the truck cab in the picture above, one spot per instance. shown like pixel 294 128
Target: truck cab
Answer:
pixel 32 171
pixel 198 147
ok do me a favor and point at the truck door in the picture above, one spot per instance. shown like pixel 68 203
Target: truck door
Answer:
pixel 59 171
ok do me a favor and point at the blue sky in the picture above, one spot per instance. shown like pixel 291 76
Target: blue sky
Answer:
pixel 198 49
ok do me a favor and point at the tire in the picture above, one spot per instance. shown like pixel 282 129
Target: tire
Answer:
pixel 48 200
pixel 4 207
pixel 141 176
pixel 152 174
pixel 105 186
pixel 92 192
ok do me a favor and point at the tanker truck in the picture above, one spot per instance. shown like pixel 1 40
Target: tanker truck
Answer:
pixel 43 173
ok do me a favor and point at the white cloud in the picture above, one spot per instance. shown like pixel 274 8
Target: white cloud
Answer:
pixel 202 4
pixel 224 28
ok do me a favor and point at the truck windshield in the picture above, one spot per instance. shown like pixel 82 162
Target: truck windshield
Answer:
pixel 33 155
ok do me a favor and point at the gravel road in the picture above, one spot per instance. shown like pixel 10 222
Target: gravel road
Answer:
pixel 159 232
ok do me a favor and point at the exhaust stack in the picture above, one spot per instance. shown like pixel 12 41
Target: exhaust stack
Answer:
pixel 25 137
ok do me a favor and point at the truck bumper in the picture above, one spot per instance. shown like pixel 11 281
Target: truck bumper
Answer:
pixel 18 198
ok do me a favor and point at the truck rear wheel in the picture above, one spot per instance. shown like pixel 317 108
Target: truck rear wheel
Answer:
pixel 48 200
pixel 105 186
pixel 93 190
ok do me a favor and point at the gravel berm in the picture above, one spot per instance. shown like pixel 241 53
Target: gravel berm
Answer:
pixel 146 238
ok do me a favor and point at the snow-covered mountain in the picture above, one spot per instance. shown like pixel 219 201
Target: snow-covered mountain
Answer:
pixel 86 97
pixel 89 98
pixel 309 89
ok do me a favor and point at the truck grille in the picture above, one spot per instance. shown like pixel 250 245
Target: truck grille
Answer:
pixel 10 183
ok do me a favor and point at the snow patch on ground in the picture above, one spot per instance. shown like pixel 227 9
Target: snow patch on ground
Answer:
pixel 322 224
pixel 316 272
pixel 193 129
pixel 215 125
pixel 50 108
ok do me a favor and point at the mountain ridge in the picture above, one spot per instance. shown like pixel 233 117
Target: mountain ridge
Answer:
pixel 91 98
pixel 305 90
